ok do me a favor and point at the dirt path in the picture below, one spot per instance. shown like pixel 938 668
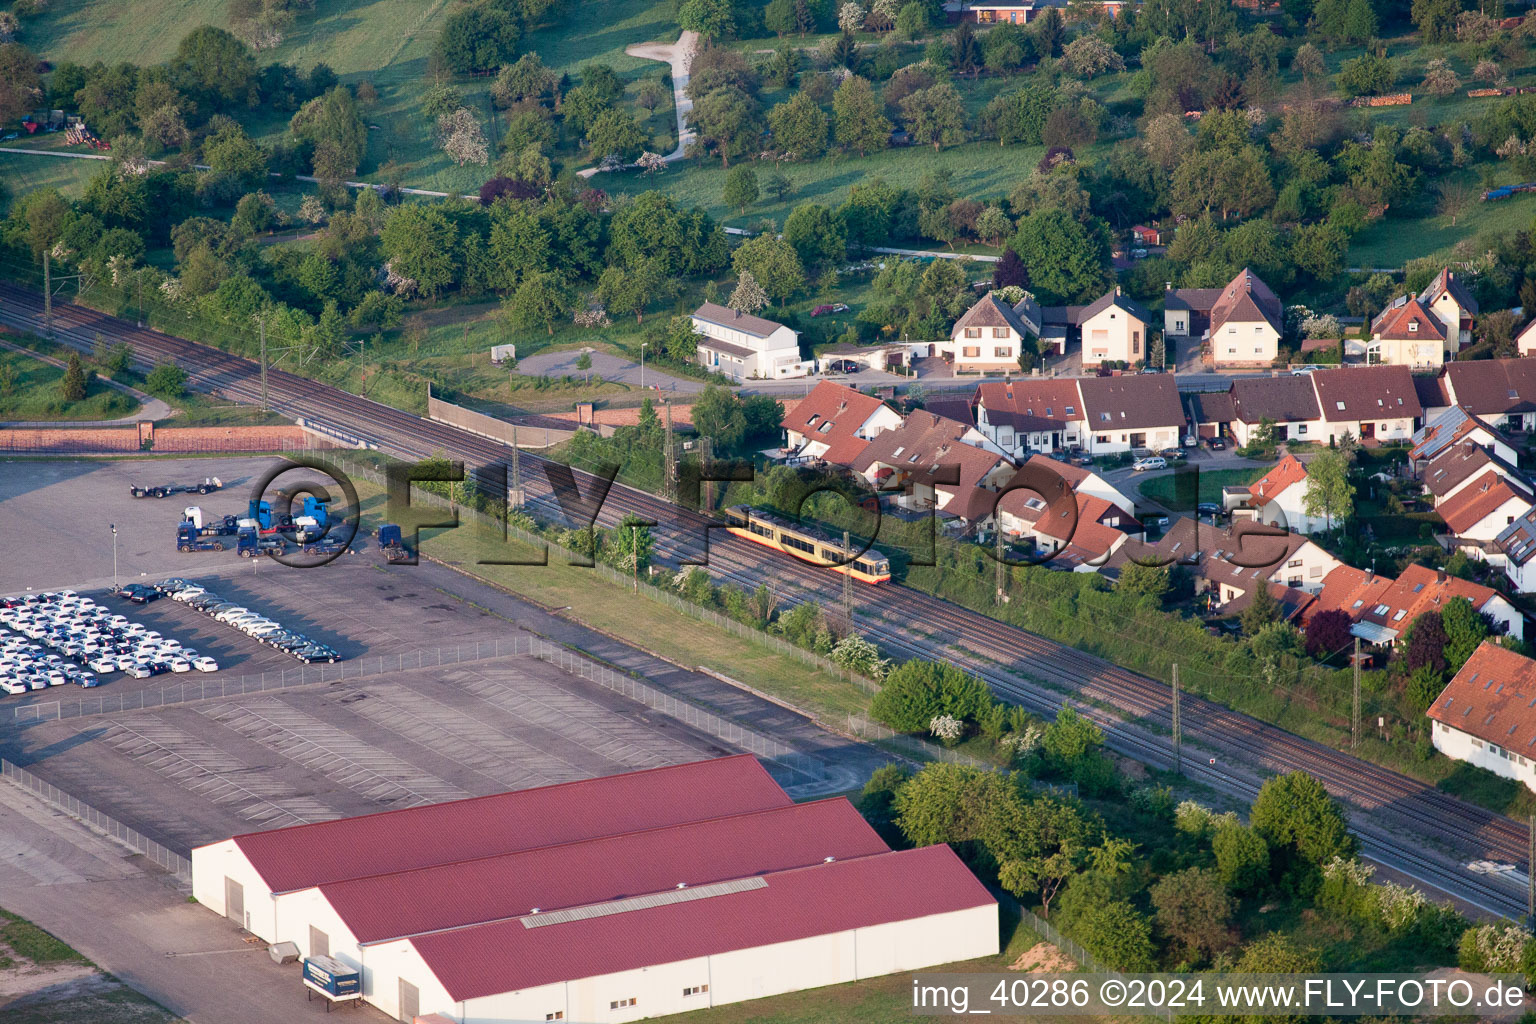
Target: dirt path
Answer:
pixel 678 55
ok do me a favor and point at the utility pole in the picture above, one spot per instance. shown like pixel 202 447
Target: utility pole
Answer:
pixel 1178 737
pixel 47 295
pixel 847 585
pixel 1354 718
pixel 669 476
pixel 1530 877
pixel 1001 567
pixel 139 280
pixel 261 326
pixel 517 471
pixel 634 552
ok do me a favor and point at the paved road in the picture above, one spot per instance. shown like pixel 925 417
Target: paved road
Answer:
pixel 606 365
pixel 135 922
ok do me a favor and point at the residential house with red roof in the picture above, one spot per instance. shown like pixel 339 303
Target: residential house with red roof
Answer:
pixel 1483 508
pixel 1080 536
pixel 1501 391
pixel 1114 328
pixel 1485 717
pixel 1381 607
pixel 1241 322
pixel 1370 403
pixel 637 895
pixel 834 423
pixel 1457 466
pixel 1406 333
pixel 1136 411
pixel 1525 341
pixel 1279 498
pixel 1030 414
pixel 1452 303
pixel 937 463
pixel 1515 550
pixel 1288 402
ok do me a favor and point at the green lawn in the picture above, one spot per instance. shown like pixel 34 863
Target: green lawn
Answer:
pixel 1170 491
pixel 30 941
pixel 23 174
pixel 35 395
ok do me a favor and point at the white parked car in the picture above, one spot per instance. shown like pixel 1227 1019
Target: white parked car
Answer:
pixel 12 685
pixel 180 665
pixel 205 664
pixel 56 677
pixel 102 664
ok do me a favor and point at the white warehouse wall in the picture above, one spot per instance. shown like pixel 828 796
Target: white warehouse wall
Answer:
pixel 211 865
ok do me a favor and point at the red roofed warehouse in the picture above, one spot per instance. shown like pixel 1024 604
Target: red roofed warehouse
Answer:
pixel 632 896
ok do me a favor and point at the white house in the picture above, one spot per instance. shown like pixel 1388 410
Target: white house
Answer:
pixel 1458 466
pixel 1450 301
pixel 1367 402
pixel 934 462
pixel 744 347
pixel 1114 329
pixel 1288 402
pixel 987 338
pixel 1279 498
pixel 1404 334
pixel 1515 550
pixel 1381 608
pixel 1483 716
pixel 1453 425
pixel 1525 341
pixel 1030 414
pixel 1481 510
pixel 1135 411
pixel 834 423
pixel 1500 391
pixel 1241 322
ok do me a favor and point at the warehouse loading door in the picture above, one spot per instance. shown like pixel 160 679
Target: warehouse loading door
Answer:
pixel 319 942
pixel 234 901
pixel 410 1001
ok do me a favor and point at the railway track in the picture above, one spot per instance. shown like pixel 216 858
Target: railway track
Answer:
pixel 1021 666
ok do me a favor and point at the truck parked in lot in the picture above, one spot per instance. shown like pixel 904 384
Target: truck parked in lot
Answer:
pixel 208 486
pixel 208 526
pixel 390 543
pixel 188 538
pixel 249 541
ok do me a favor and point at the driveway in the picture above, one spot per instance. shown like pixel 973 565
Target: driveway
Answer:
pixel 607 366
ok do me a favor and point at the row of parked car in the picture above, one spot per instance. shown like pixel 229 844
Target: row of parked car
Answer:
pixel 252 624
pixel 59 637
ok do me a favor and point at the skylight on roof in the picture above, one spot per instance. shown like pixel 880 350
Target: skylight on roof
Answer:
pixel 1340 405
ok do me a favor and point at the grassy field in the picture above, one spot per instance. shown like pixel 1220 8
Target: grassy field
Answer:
pixel 36 394
pixel 1168 492
pixel 23 174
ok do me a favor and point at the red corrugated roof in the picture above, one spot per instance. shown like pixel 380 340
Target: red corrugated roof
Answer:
pixel 597 870
pixel 490 959
pixel 417 837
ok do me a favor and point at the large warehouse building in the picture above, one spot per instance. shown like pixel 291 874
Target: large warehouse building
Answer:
pixel 609 899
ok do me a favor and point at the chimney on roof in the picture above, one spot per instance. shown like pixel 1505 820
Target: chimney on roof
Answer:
pixel 1117 289
pixel 1440 576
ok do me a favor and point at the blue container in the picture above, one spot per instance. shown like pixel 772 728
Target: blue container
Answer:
pixel 332 975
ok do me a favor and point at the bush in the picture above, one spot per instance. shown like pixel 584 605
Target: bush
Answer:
pixel 167 380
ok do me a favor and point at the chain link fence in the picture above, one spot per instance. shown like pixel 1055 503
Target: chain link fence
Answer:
pixel 1043 928
pixel 173 862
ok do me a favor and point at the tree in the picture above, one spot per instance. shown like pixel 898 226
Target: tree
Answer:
pixel 1010 271
pixel 1194 909
pixel 1426 642
pixel 420 242
pixel 1318 250
pixel 461 137
pixel 1436 19
pixel 1148 580
pixel 858 123
pixel 254 213
pixel 215 66
pixel 850 16
pixel 1465 629
pixel 916 691
pixel 167 380
pixel 631 289
pixel 878 799
pixel 912 21
pixel 632 544
pixel 1440 78
pixel 935 115
pixel 1262 610
pixel 731 421
pixel 816 235
pixel 1089 56
pixel 711 19
pixel 949 803
pixel 1367 75
pixel 480 37
pixel 740 188
pixel 748 296
pixel 727 119
pixel 1328 633
pixel 617 135
pixel 773 262
pixel 1071 737
pixel 1452 200
pixel 1242 857
pixel 541 299
pixel 779 186
pixel 1304 827
pixel 72 386
pixel 1329 495
pixel 799 127
pixel 993 225
pixel 1309 62
pixel 1068 259
pixel 681 340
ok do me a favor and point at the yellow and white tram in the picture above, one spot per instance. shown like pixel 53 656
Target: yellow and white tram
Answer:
pixel 807 544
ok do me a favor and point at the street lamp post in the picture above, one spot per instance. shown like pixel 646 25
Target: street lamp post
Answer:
pixel 114 555
pixel 642 365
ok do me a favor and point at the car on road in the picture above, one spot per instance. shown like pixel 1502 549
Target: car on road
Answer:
pixel 1149 463
pixel 1302 371
pixel 1173 454
pixel 1208 508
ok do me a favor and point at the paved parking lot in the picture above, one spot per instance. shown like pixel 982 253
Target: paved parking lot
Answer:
pixel 194 773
